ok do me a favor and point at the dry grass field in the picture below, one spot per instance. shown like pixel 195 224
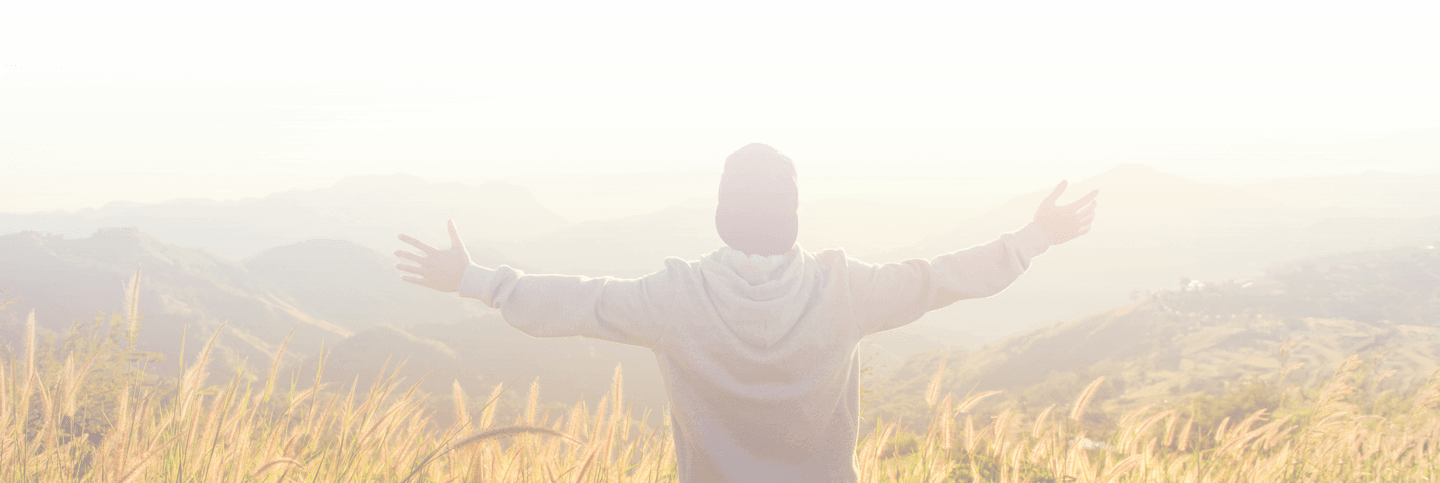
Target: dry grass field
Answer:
pixel 84 410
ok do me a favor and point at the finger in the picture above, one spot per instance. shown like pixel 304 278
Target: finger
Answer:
pixel 455 237
pixel 1083 199
pixel 1088 209
pixel 1085 220
pixel 409 256
pixel 1055 195
pixel 1083 230
pixel 414 280
pixel 418 244
pixel 411 268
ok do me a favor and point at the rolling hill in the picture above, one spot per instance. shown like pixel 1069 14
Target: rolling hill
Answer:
pixel 483 351
pixel 1208 338
pixel 354 286
pixel 339 297
pixel 182 291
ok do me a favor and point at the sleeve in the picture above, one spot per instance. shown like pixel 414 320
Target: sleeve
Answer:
pixel 887 296
pixel 628 311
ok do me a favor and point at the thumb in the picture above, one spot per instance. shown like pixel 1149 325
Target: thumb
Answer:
pixel 455 236
pixel 1055 195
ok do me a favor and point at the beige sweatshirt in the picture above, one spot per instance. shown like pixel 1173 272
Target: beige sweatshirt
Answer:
pixel 759 354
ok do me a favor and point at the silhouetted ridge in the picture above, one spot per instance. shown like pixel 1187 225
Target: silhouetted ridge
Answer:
pixel 25 240
pixel 328 244
pixel 317 258
pixel 1130 168
pixel 377 182
pixel 1375 173
pixel 352 286
pixel 505 189
pixel 1374 194
pixel 126 236
pixel 119 231
pixel 182 291
pixel 382 341
pixel 116 205
pixel 202 201
pixel 847 204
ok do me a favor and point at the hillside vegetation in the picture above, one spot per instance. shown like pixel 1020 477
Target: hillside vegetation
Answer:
pixel 331 294
pixel 1254 342
pixel 99 417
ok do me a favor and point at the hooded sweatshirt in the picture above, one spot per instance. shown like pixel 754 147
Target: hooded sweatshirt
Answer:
pixel 759 354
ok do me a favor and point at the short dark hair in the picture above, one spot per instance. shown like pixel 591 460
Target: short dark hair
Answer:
pixel 759 198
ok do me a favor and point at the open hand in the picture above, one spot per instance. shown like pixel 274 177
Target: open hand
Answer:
pixel 1064 223
pixel 438 269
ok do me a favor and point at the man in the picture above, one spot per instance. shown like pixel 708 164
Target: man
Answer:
pixel 758 341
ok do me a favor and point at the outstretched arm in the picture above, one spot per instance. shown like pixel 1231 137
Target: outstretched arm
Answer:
pixel 625 311
pixel 892 295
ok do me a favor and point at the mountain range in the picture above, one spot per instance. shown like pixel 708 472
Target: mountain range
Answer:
pixel 347 297
pixel 317 262
pixel 1152 228
pixel 1370 194
pixel 368 210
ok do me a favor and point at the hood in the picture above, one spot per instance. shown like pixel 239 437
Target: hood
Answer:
pixel 760 297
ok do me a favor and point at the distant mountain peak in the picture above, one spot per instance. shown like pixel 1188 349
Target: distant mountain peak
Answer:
pixel 121 204
pixel 198 201
pixel 329 244
pixel 374 182
pixel 1143 174
pixel 844 204
pixel 1375 173
pixel 506 188
pixel 1131 169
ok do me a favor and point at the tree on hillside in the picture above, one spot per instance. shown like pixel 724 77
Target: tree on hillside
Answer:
pixel 108 364
pixel 1235 405
pixel 867 371
pixel 7 302
pixel 95 361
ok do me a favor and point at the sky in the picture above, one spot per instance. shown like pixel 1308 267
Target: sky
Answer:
pixel 664 7
pixel 147 101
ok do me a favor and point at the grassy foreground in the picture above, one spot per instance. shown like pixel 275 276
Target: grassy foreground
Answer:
pixel 95 417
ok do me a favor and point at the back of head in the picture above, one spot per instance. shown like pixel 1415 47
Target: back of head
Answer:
pixel 759 199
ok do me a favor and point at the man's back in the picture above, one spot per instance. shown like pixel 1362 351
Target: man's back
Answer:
pixel 759 354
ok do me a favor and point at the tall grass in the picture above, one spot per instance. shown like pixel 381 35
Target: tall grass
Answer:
pixel 381 430
pixel 1326 437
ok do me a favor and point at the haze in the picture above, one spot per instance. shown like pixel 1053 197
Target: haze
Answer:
pixel 919 102
pixel 255 161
